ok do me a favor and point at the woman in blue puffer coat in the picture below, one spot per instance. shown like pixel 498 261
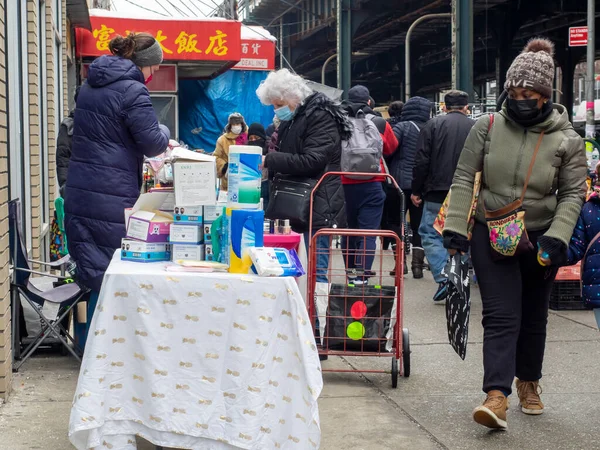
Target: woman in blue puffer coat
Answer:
pixel 115 126
pixel 585 242
pixel 415 113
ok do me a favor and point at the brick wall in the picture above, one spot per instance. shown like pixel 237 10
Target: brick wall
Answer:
pixel 5 353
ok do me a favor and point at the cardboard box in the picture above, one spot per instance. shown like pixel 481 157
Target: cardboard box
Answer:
pixel 149 226
pixel 156 201
pixel 137 251
pixel 208 252
pixel 195 179
pixel 213 212
pixel 207 233
pixel 186 234
pixel 188 252
pixel 189 214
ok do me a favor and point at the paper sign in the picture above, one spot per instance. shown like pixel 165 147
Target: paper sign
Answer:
pixel 138 229
pixel 194 183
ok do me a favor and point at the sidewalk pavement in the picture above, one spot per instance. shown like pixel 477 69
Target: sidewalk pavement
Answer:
pixel 429 410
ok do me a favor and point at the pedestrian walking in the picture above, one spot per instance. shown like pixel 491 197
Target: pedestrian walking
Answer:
pixel 235 133
pixel 364 198
pixel 415 115
pixel 395 112
pixel 532 163
pixel 439 146
pixel 585 247
pixel 115 126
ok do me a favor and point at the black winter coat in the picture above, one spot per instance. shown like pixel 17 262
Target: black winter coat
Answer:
pixel 115 126
pixel 440 144
pixel 63 150
pixel 418 111
pixel 311 145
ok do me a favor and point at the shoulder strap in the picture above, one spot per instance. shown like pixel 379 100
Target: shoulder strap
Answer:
pixel 416 126
pixel 531 164
pixel 491 124
pixel 592 242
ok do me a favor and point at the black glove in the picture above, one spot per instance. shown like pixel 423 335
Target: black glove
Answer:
pixel 224 170
pixel 557 250
pixel 455 241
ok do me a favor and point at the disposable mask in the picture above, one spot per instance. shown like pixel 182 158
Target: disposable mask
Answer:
pixel 524 109
pixel 284 113
pixel 236 129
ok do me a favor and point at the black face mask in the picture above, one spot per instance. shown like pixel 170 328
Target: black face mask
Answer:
pixel 524 109
pixel 258 142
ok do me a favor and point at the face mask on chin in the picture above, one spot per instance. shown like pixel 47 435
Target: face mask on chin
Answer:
pixel 524 109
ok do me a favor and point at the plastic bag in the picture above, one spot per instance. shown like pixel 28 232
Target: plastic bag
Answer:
pixel 275 262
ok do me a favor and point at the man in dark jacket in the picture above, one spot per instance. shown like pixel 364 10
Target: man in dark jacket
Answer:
pixel 365 198
pixel 63 147
pixel 115 126
pixel 440 144
pixel 415 115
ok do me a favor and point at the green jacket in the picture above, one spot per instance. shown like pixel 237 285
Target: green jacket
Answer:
pixel 557 185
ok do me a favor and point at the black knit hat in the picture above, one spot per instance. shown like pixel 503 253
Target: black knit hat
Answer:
pixel 256 129
pixel 358 94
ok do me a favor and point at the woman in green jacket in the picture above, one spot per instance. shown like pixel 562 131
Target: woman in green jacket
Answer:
pixel 515 290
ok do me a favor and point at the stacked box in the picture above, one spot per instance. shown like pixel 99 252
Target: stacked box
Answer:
pixel 211 214
pixel 138 251
pixel 188 252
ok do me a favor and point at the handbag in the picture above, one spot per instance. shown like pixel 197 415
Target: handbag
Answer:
pixel 506 226
pixel 289 198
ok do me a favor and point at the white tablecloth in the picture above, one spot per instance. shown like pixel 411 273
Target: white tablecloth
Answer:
pixel 197 361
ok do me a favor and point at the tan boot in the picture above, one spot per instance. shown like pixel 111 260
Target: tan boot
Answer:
pixel 492 413
pixel 529 397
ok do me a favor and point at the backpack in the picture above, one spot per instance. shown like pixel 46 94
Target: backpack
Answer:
pixel 363 151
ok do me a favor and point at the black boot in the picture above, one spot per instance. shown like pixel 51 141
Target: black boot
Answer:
pixel 417 262
pixel 405 265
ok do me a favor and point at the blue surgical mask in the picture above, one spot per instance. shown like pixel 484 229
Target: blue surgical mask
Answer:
pixel 284 113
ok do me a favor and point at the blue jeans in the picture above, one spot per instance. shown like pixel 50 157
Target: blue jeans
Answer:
pixel 322 255
pixel 433 243
pixel 364 209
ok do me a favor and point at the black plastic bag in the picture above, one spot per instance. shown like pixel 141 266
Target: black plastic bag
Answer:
pixel 458 303
pixel 358 317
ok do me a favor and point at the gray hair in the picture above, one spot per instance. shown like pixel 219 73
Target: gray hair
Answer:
pixel 283 85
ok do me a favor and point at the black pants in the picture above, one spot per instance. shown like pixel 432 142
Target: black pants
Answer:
pixel 515 293
pixel 391 215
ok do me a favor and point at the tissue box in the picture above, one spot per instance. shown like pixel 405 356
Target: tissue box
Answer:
pixel 149 226
pixel 186 234
pixel 208 253
pixel 188 252
pixel 188 214
pixel 138 251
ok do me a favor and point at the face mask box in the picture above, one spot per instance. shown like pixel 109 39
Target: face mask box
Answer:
pixel 149 226
pixel 188 252
pixel 186 234
pixel 208 253
pixel 213 212
pixel 194 178
pixel 138 251
pixel 189 214
pixel 207 233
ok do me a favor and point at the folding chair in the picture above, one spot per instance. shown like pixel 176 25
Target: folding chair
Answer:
pixel 62 298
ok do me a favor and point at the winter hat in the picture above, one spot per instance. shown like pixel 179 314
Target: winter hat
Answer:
pixel 358 94
pixel 456 99
pixel 150 56
pixel 256 129
pixel 235 118
pixel 533 68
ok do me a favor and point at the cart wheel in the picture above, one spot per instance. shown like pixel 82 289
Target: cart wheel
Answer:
pixel 406 352
pixel 394 372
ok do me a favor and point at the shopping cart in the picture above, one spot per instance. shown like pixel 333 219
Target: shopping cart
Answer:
pixel 357 310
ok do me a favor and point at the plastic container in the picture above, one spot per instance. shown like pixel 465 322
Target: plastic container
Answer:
pixel 244 177
pixel 566 296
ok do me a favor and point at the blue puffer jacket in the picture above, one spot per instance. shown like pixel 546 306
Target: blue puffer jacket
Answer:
pixel 418 111
pixel 588 227
pixel 115 126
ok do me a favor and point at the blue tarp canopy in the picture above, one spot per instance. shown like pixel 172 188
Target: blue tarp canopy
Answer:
pixel 205 105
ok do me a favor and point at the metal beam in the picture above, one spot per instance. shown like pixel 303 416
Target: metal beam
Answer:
pixel 462 38
pixel 344 45
pixel 590 120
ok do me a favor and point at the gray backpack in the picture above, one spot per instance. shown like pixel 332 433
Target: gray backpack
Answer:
pixel 363 151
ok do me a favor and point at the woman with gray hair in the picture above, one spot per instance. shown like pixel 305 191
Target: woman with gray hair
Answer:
pixel 309 144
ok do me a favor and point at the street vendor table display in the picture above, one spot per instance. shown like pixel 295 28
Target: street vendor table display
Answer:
pixel 210 361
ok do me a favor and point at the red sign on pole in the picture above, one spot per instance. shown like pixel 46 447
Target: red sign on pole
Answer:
pixel 578 36
pixel 257 55
pixel 180 40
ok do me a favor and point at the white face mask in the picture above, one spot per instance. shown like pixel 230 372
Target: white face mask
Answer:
pixel 236 129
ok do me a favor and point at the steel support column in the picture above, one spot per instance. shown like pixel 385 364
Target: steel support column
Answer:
pixel 462 38
pixel 590 127
pixel 344 45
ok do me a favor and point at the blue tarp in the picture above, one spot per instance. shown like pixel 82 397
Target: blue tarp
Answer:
pixel 205 105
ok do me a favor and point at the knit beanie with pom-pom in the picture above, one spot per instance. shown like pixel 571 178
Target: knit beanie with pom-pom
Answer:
pixel 534 68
